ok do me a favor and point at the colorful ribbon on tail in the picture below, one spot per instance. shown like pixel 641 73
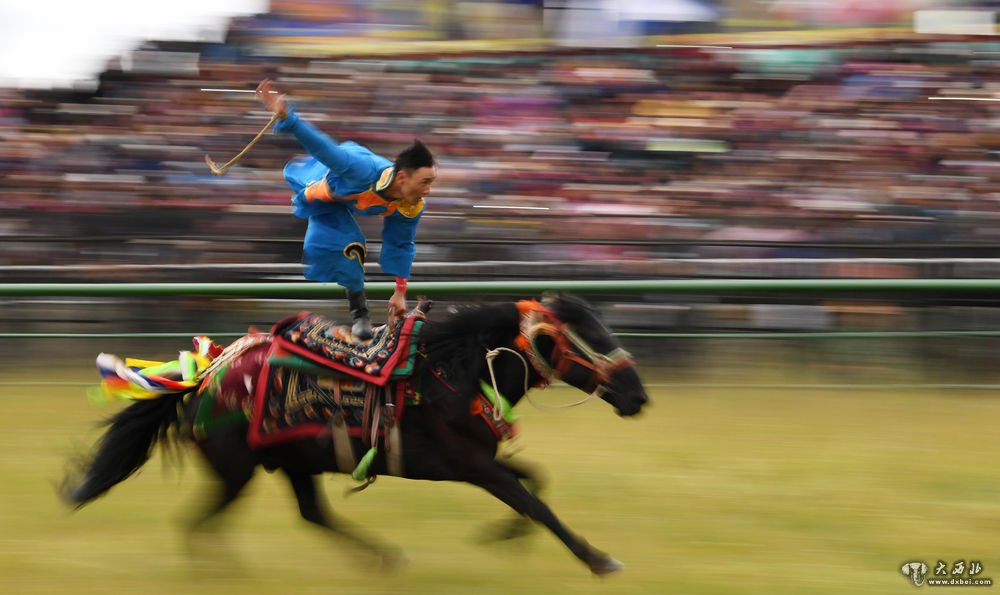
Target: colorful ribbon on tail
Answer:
pixel 145 379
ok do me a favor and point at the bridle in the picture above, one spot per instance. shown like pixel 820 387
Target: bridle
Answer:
pixel 569 350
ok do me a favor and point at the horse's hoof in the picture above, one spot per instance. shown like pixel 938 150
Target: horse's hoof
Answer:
pixel 605 565
pixel 68 498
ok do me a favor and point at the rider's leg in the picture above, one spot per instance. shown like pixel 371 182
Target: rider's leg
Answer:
pixel 362 324
pixel 334 250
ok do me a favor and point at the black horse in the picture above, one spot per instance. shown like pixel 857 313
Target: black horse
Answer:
pixel 514 345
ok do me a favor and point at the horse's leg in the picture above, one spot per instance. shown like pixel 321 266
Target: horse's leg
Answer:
pixel 529 477
pixel 519 525
pixel 476 465
pixel 314 508
pixel 234 465
pixel 485 473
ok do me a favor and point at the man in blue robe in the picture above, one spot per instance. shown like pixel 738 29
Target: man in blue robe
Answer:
pixel 336 182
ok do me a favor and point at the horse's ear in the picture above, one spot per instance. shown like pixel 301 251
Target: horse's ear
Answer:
pixel 549 298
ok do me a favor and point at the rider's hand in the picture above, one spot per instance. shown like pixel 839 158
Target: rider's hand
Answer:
pixel 397 305
pixel 274 102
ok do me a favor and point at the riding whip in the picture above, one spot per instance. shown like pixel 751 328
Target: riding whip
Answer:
pixel 217 170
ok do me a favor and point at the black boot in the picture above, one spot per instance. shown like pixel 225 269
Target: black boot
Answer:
pixel 362 327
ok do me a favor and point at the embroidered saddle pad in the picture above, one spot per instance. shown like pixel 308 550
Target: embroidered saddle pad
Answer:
pixel 293 404
pixel 318 340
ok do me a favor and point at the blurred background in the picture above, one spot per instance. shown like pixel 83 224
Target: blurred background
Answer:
pixel 806 442
pixel 578 139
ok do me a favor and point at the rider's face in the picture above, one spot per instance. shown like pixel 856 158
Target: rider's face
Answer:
pixel 415 184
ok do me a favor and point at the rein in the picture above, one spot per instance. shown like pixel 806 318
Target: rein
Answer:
pixel 492 355
pixel 498 411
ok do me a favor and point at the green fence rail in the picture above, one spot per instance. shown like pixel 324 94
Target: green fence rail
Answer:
pixel 439 288
pixel 984 287
pixel 523 288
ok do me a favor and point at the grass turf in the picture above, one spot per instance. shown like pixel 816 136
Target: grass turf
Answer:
pixel 712 491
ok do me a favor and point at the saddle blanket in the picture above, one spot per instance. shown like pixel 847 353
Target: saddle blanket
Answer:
pixel 389 354
pixel 294 404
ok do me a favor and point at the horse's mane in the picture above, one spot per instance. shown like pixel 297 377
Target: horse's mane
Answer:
pixel 456 344
pixel 579 313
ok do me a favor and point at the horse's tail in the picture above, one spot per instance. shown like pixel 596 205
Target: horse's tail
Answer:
pixel 124 448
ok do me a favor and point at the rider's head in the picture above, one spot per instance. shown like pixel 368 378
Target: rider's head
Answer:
pixel 414 172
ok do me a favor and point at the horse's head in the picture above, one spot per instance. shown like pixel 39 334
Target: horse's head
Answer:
pixel 565 338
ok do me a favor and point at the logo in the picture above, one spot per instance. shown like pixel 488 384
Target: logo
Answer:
pixel 917 571
pixel 957 574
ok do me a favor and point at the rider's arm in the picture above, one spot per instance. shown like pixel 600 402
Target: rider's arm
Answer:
pixel 321 146
pixel 398 248
pixel 396 257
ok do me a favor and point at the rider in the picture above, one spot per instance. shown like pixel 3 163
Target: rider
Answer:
pixel 337 181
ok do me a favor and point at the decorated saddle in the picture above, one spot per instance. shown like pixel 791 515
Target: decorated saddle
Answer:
pixel 304 379
pixel 318 381
pixel 315 343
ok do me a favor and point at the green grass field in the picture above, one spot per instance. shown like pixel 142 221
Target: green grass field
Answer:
pixel 712 491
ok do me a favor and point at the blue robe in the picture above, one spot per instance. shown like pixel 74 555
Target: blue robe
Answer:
pixel 331 185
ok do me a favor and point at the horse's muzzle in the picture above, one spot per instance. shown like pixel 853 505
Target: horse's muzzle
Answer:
pixel 626 393
pixel 633 408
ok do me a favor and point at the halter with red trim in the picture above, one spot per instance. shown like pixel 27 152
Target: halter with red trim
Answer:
pixel 569 349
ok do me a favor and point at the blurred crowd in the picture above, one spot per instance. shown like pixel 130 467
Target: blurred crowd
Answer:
pixel 558 154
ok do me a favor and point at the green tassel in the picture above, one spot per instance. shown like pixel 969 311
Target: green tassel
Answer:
pixel 188 365
pixel 361 471
pixel 500 402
